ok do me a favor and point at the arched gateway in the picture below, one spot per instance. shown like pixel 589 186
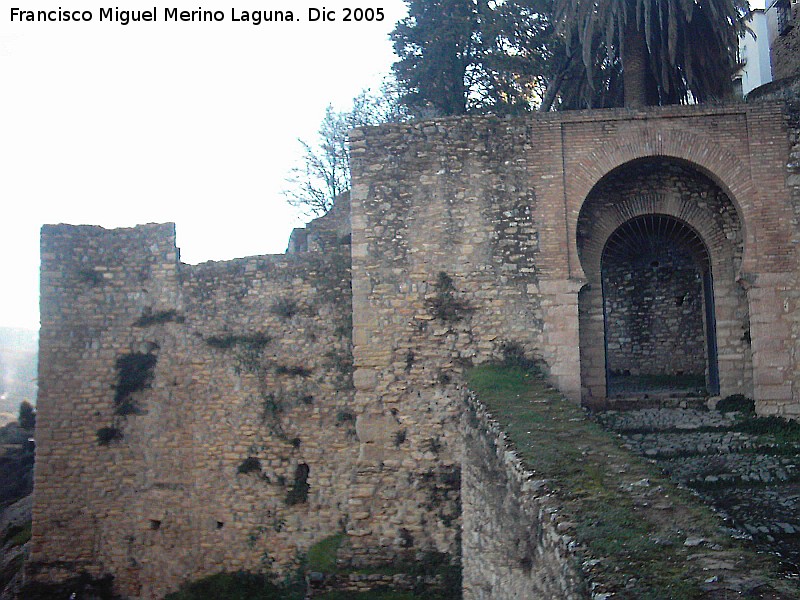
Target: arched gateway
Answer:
pixel 661 245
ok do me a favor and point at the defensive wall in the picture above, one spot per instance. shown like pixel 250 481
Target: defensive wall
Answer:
pixel 195 418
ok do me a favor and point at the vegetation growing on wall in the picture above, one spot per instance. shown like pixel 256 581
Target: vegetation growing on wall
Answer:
pixel 90 276
pixel 251 464
pixel 106 435
pixel 150 317
pixel 432 575
pixel 285 307
pixel 444 304
pixel 298 493
pixel 293 371
pixel 134 373
pixel 80 586
pixel 248 349
pixel 237 586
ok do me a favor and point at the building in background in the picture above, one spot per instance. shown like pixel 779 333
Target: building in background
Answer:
pixel 754 54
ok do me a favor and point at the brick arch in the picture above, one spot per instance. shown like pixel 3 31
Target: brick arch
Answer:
pixel 605 209
pixel 701 154
pixel 590 252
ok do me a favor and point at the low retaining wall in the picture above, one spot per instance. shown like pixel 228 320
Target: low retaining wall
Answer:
pixel 512 546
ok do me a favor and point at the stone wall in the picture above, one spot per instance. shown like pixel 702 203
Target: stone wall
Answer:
pixel 229 415
pixel 654 310
pixel 512 543
pixel 191 418
pixel 785 49
pixel 444 260
pixel 516 212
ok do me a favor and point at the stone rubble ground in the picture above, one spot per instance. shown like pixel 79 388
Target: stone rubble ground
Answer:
pixel 754 487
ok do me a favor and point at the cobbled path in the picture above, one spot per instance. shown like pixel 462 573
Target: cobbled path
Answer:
pixel 753 482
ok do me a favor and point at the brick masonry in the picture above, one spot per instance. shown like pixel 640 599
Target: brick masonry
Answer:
pixel 331 372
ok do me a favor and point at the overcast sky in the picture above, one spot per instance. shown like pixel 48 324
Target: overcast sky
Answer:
pixel 191 122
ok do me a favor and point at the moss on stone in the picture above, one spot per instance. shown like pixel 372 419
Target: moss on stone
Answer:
pixel 607 493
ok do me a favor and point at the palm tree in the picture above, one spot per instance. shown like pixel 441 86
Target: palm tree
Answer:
pixel 670 51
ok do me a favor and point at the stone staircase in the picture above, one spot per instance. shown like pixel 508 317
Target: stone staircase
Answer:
pixel 743 467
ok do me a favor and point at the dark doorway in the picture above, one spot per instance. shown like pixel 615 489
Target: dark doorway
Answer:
pixel 658 309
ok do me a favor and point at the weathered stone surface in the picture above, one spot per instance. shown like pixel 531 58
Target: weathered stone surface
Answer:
pixel 335 368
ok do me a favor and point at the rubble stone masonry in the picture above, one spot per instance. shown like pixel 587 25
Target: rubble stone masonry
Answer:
pixel 225 416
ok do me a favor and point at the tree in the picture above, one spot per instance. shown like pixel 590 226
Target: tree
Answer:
pixel 668 51
pixel 474 56
pixel 325 169
pixel 27 415
pixel 435 43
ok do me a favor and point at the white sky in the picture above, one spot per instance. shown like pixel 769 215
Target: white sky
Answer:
pixel 194 123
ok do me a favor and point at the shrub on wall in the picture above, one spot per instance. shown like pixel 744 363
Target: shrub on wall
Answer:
pixel 150 317
pixel 106 435
pixel 134 373
pixel 250 464
pixel 444 304
pixel 298 493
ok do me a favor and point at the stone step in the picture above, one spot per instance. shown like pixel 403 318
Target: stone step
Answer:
pixel 660 419
pixel 661 445
pixel 754 484
pixel 730 469
pixel 771 510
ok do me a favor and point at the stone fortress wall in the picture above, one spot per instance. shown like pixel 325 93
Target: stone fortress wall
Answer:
pixel 229 415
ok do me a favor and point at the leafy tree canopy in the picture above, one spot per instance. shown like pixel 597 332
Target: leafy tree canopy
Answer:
pixel 475 56
pixel 669 51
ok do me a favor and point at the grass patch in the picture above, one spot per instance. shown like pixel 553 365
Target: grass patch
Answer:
pixel 641 549
pixel 771 429
pixel 18 535
pixel 372 595
pixel 322 555
pixel 237 586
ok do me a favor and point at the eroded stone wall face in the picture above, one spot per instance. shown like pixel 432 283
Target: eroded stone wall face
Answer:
pixel 445 247
pixel 793 183
pixel 513 546
pixel 225 416
pixel 654 316
pixel 235 449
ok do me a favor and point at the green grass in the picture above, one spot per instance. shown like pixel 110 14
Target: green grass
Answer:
pixel 236 586
pixel 19 535
pixel 373 595
pixel 594 479
pixel 322 555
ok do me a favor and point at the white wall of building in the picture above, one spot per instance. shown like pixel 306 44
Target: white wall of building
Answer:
pixel 754 53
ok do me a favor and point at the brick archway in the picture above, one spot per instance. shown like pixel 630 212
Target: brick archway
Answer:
pixel 678 190
pixel 640 141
